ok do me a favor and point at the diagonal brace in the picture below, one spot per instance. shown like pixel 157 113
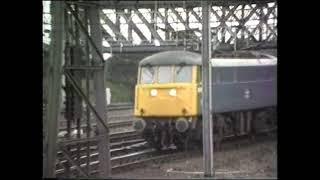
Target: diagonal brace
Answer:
pixel 196 16
pixel 152 30
pixel 80 92
pixel 85 31
pixel 112 26
pixel 182 21
pixel 67 156
pixel 135 28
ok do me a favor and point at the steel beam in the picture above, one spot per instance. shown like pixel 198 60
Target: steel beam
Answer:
pixel 54 86
pixel 142 48
pixel 223 18
pixel 154 18
pixel 84 29
pixel 83 67
pixel 88 76
pixel 166 24
pixel 186 24
pixel 100 93
pixel 134 27
pixel 207 94
pixel 129 26
pixel 107 36
pixel 272 33
pixel 117 24
pixel 163 4
pixel 263 18
pixel 182 21
pixel 69 158
pixel 196 15
pixel 164 19
pixel 69 33
pixel 241 23
pixel 246 19
pixel 150 27
pixel 81 93
pixel 76 61
pixel 112 26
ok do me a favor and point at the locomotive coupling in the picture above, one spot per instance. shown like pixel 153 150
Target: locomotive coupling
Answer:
pixel 182 124
pixel 139 125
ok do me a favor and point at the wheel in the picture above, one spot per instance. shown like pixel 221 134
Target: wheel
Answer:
pixel 153 138
pixel 178 140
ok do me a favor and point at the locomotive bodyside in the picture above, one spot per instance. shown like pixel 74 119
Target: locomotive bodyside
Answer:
pixel 243 84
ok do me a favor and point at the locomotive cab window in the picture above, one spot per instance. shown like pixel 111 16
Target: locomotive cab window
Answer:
pixel 147 75
pixel 183 74
pixel 164 74
pixel 199 75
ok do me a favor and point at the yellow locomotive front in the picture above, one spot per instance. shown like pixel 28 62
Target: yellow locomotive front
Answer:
pixel 167 95
pixel 166 91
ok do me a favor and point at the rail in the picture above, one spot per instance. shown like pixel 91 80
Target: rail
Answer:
pixel 119 106
pixel 142 155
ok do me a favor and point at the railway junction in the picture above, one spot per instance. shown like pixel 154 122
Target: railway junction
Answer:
pixel 95 56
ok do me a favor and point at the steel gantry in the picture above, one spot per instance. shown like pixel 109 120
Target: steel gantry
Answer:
pixel 76 55
pixel 135 25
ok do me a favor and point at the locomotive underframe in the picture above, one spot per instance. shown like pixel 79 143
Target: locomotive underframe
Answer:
pixel 163 133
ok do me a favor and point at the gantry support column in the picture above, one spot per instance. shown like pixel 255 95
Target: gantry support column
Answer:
pixel 186 24
pixel 207 94
pixel 118 24
pixel 223 22
pixel 54 87
pixel 100 94
pixel 130 39
pixel 242 22
pixel 154 19
pixel 261 16
pixel 166 24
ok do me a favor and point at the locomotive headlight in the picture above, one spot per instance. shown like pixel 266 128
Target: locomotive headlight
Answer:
pixel 173 92
pixel 154 92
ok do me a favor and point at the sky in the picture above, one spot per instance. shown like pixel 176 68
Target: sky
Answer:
pixel 172 19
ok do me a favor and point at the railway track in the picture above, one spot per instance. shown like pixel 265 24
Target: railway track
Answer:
pixel 127 149
pixel 117 140
pixel 112 124
pixel 139 153
pixel 119 155
pixel 119 114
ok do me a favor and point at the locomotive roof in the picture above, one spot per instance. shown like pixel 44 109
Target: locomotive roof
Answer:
pixel 219 62
pixel 191 58
pixel 172 58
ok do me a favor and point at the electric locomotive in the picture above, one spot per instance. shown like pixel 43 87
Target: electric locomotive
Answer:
pixel 168 97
